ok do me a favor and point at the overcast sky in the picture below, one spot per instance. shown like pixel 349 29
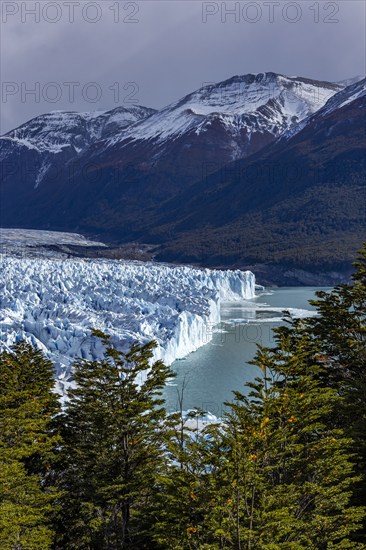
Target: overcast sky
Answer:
pixel 87 56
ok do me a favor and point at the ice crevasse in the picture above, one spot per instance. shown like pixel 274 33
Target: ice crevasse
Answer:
pixel 54 303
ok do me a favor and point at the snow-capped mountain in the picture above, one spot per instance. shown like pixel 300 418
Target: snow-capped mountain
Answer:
pixel 219 122
pixel 111 173
pixel 300 201
pixel 41 148
pixel 57 130
pixel 54 302
pixel 243 106
pixel 216 124
pixel 344 97
pixel 92 172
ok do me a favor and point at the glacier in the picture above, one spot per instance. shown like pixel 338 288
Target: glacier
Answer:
pixel 55 302
pixel 21 240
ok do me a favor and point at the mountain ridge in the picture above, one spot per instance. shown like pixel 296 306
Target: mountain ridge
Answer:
pixel 322 203
pixel 141 184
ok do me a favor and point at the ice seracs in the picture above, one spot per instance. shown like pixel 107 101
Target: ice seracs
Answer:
pixel 54 303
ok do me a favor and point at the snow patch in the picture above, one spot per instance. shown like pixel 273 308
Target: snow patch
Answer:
pixel 251 102
pixel 14 238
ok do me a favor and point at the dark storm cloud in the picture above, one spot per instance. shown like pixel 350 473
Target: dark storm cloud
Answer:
pixel 97 55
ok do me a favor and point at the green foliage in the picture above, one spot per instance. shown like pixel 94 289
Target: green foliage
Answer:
pixel 279 474
pixel 284 470
pixel 27 449
pixel 339 331
pixel 183 495
pixel 319 231
pixel 113 429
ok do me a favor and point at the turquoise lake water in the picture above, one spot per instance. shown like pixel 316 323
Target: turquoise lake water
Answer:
pixel 210 374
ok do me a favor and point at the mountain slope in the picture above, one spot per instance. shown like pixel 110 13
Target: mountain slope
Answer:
pixel 110 182
pixel 196 135
pixel 294 196
pixel 40 150
pixel 299 202
pixel 266 102
pixel 58 129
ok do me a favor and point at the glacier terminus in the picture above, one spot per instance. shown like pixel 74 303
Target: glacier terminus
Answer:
pixel 55 302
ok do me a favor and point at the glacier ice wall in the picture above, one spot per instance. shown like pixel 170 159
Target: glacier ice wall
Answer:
pixel 54 303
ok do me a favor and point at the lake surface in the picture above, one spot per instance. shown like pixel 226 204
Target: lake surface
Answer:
pixel 210 374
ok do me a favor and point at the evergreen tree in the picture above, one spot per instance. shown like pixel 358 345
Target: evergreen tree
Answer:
pixel 281 471
pixel 27 448
pixel 180 506
pixel 339 330
pixel 308 457
pixel 114 431
pixel 284 470
pixel 287 475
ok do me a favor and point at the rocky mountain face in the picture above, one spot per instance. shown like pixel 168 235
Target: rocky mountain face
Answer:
pixel 43 150
pixel 258 168
pixel 299 202
pixel 91 163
